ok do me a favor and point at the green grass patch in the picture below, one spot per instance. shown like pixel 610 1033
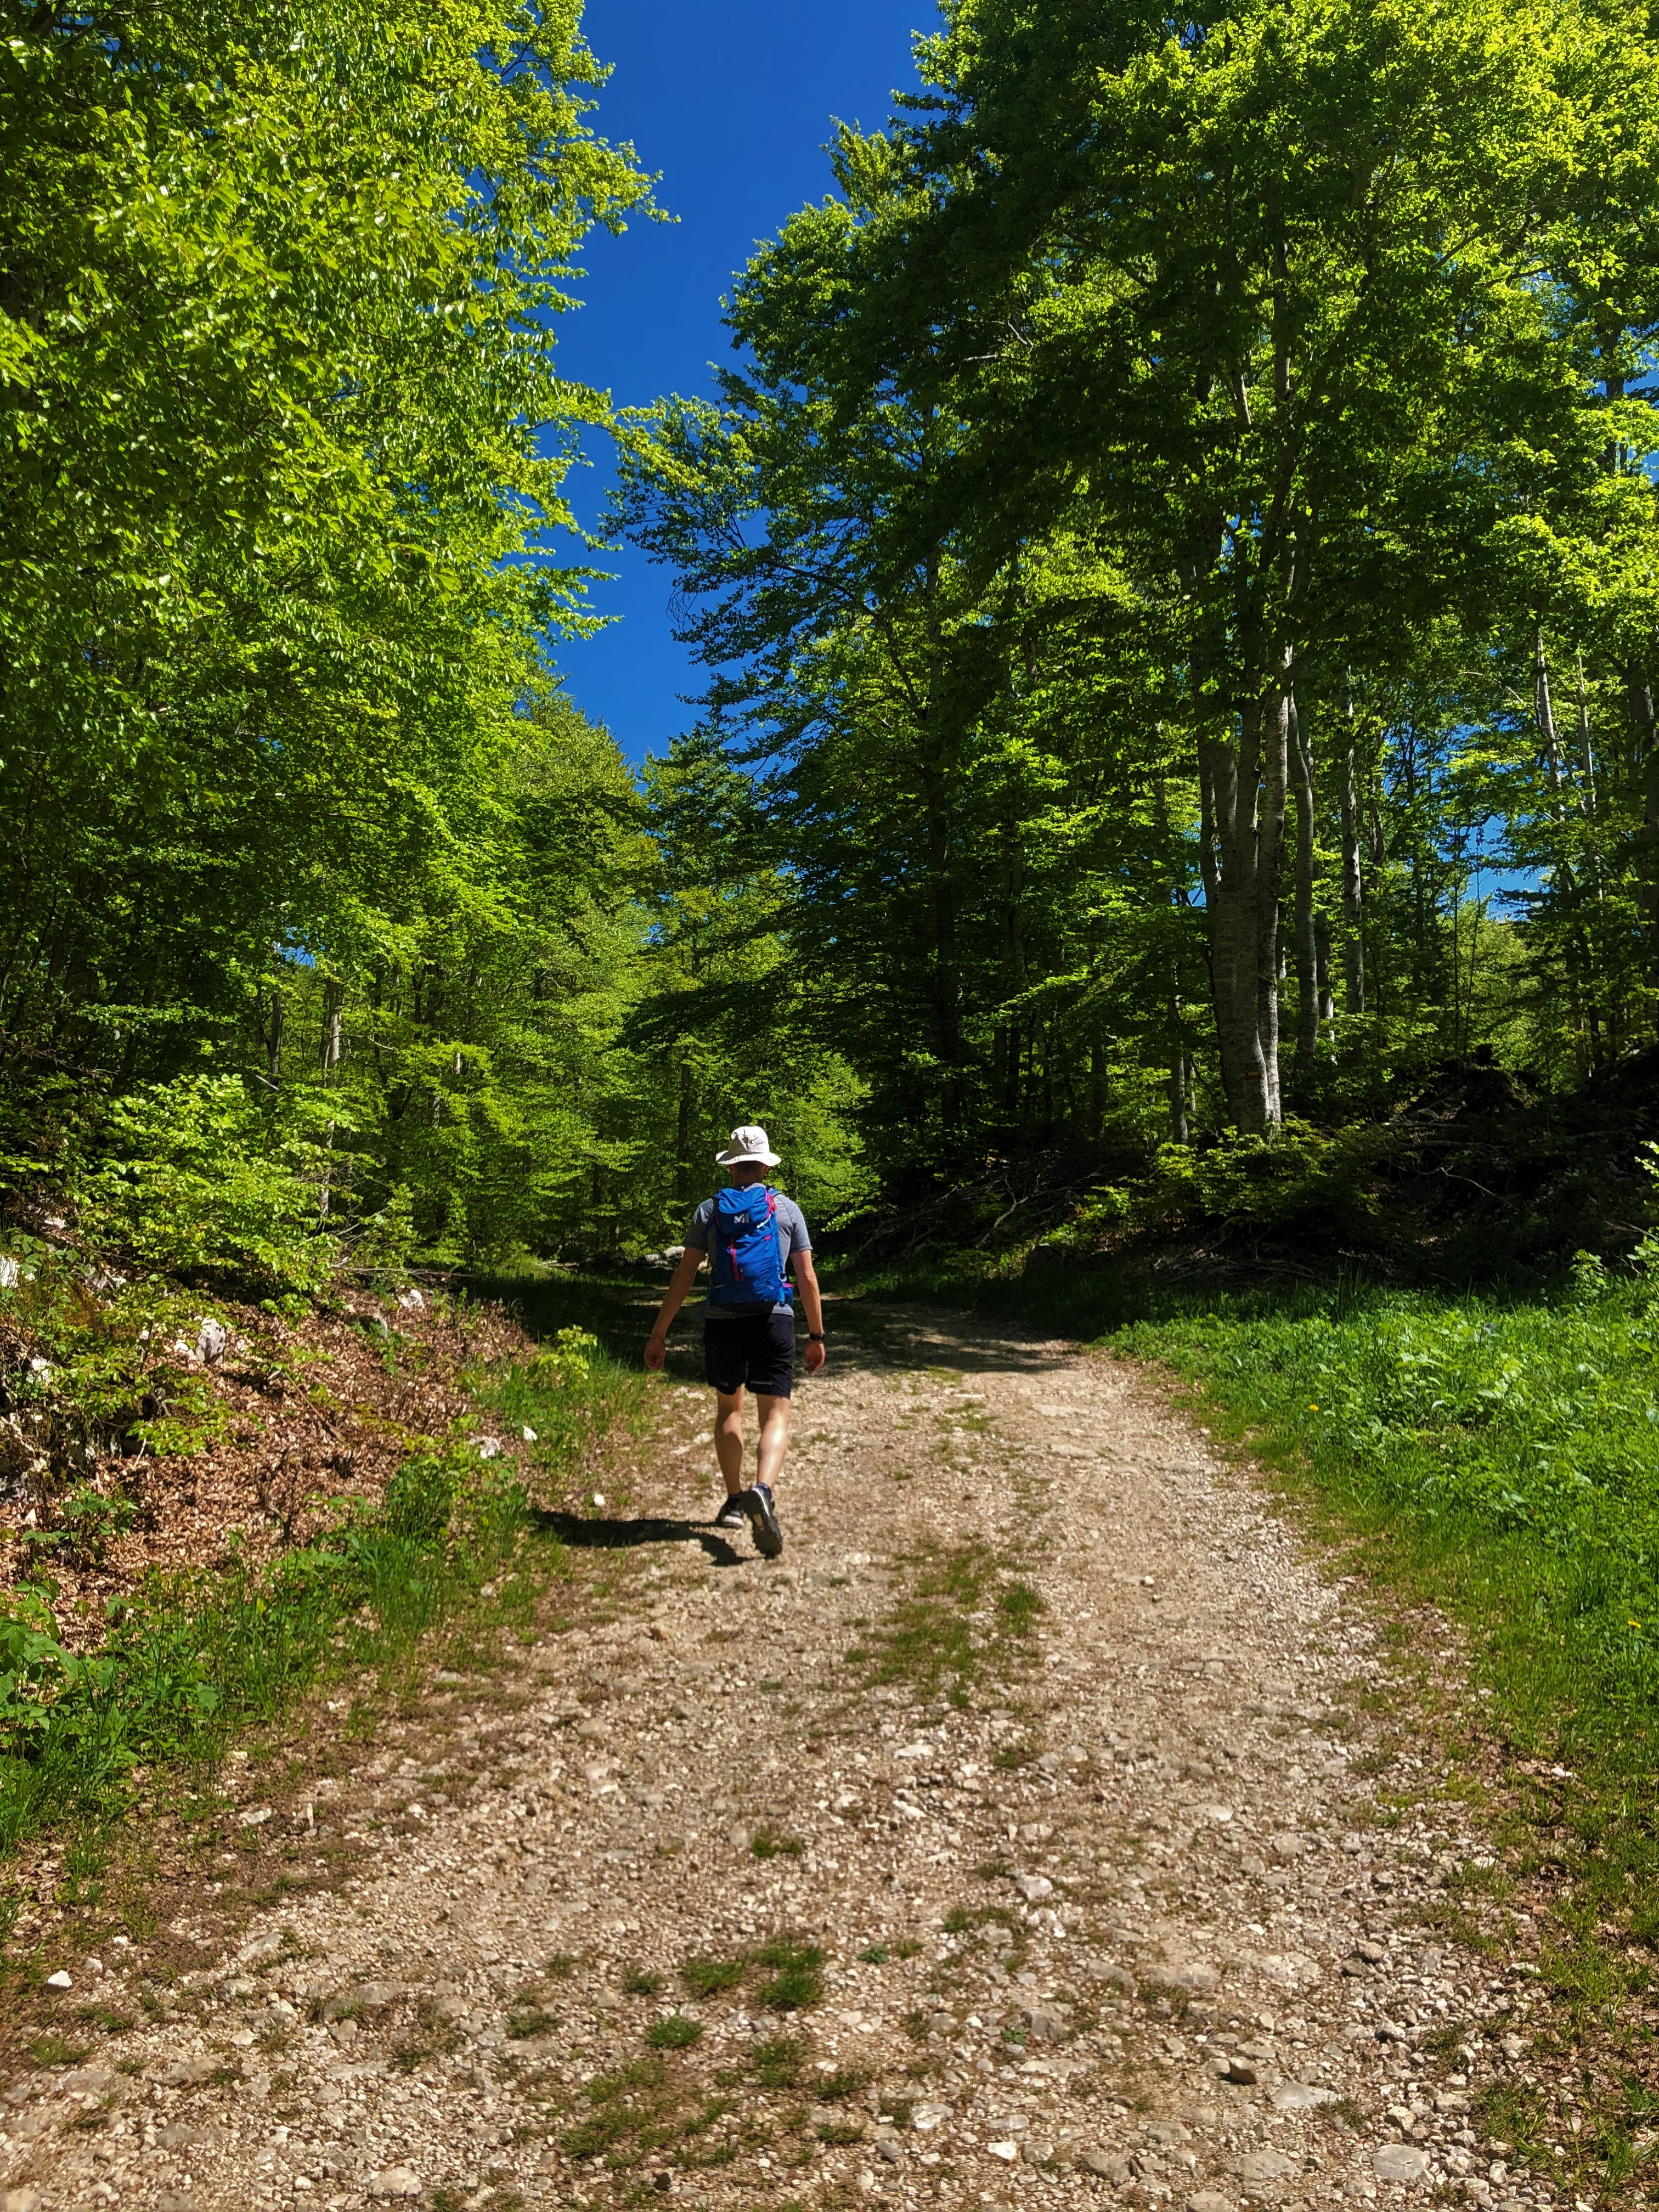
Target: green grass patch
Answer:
pixel 841 2082
pixel 456 1549
pixel 956 1619
pixel 780 2060
pixel 707 1977
pixel 796 1978
pixel 673 2033
pixel 765 1844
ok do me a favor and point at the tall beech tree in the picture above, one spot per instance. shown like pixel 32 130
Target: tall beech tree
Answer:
pixel 1313 335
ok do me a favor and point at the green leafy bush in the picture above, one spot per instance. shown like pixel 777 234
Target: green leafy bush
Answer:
pixel 197 1176
pixel 1519 1440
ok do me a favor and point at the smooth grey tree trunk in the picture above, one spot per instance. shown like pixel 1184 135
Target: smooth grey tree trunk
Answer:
pixel 1353 883
pixel 1244 791
pixel 1306 938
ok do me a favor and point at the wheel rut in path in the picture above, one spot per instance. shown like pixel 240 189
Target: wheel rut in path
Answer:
pixel 1116 1925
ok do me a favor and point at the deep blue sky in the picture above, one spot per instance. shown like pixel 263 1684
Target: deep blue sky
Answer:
pixel 733 104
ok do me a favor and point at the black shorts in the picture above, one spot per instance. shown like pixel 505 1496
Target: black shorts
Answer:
pixel 756 1351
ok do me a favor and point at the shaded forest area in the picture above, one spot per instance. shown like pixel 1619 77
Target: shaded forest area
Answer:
pixel 1174 553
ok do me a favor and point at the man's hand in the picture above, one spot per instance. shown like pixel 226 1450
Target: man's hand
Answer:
pixel 656 1351
pixel 813 1358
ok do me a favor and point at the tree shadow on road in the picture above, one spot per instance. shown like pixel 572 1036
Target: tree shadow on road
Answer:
pixel 583 1535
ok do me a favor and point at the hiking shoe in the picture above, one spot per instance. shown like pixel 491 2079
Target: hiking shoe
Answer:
pixel 731 1515
pixel 763 1521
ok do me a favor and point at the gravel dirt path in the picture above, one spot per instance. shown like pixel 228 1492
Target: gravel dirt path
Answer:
pixel 1011 1840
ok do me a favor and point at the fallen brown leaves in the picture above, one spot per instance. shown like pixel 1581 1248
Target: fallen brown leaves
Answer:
pixel 312 1414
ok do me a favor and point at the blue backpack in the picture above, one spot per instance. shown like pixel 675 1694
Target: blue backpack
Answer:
pixel 745 1252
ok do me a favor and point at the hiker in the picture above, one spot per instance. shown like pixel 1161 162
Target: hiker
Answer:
pixel 755 1235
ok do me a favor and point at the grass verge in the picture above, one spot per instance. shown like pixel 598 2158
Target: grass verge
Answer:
pixel 457 1547
pixel 1497 1458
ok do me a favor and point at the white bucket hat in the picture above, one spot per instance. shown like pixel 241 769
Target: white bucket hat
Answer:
pixel 746 1145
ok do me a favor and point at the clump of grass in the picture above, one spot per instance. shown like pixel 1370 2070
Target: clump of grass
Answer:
pixel 932 1638
pixel 635 2097
pixel 779 2061
pixel 674 2032
pixel 641 1982
pixel 765 1844
pixel 1019 1606
pixel 797 1978
pixel 878 1954
pixel 840 2131
pixel 707 1977
pixel 56 2051
pixel 836 2086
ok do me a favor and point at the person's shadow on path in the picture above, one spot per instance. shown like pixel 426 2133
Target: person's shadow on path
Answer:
pixel 583 1535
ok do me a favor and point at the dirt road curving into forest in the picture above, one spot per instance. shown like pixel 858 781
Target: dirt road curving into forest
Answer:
pixel 1011 1840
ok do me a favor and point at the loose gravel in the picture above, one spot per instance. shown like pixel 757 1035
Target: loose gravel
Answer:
pixel 856 1879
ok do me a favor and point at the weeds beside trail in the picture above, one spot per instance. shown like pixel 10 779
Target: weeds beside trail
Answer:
pixel 195 1660
pixel 1497 1459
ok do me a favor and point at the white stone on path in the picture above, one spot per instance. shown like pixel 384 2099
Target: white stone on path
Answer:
pixel 1300 2097
pixel 1266 2166
pixel 1400 2162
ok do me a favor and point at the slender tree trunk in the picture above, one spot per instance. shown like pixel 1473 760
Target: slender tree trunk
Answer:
pixel 1638 701
pixel 1248 793
pixel 1005 1068
pixel 332 1040
pixel 1353 883
pixel 1233 923
pixel 1270 874
pixel 274 1034
pixel 683 1135
pixel 1565 881
pixel 1307 947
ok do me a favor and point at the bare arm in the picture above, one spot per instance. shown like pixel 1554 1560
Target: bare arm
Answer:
pixel 806 1276
pixel 656 1345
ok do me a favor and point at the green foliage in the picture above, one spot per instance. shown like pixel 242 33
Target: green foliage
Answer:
pixel 195 1176
pixel 780 2060
pixel 190 1662
pixel 1156 609
pixel 1520 1439
pixel 795 1977
pixel 287 793
pixel 674 2032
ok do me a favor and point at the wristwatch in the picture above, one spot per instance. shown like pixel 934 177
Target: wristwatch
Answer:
pixel 814 1336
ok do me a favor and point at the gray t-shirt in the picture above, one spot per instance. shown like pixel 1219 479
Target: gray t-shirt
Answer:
pixel 792 1237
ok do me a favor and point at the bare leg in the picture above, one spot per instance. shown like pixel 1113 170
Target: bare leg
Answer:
pixel 774 1437
pixel 728 1439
